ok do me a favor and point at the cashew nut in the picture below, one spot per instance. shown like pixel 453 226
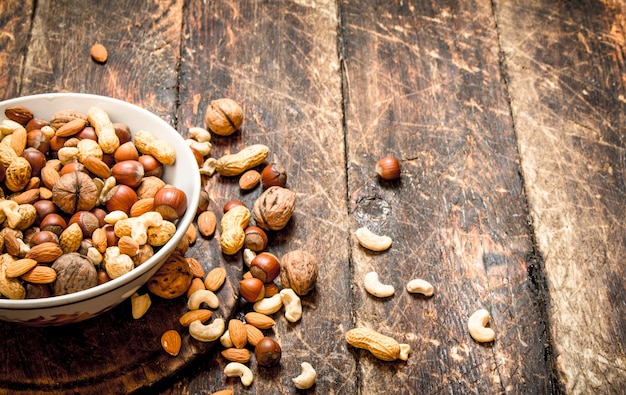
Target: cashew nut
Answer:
pixel 200 296
pixel 208 167
pixel 204 148
pixel 109 183
pixel 248 256
pixel 200 134
pixel 209 332
pixel 234 369
pixel 293 306
pixel 114 216
pixel 477 326
pixel 373 286
pixel 268 306
pixel 140 304
pixel 418 285
pixel 139 229
pixel 372 241
pixel 116 263
pixel 9 210
pixel 306 379
pixel 226 340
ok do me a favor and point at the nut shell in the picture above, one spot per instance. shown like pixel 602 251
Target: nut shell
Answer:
pixel 274 208
pixel 74 273
pixel 172 279
pixel 75 191
pixel 299 271
pixel 223 116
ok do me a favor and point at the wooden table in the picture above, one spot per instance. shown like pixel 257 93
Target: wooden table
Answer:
pixel 507 117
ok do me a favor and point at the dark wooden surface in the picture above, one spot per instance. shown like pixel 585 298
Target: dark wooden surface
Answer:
pixel 507 117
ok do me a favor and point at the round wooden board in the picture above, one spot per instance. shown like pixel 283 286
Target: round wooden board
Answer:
pixel 111 353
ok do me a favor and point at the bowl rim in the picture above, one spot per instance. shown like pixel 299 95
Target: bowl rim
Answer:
pixel 117 283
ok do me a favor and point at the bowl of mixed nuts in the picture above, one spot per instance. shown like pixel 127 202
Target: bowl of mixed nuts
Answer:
pixel 96 195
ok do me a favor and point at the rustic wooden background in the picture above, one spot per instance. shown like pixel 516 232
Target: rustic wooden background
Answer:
pixel 507 117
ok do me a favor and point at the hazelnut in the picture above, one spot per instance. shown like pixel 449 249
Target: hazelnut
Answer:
pixel 126 151
pixel 44 207
pixel 255 239
pixel 44 236
pixel 204 201
pixel 267 352
pixel 223 116
pixel 273 175
pixel 151 166
pixel 88 133
pixel 265 267
pixel 170 202
pixel 87 221
pixel 128 172
pixel 36 123
pixel 388 168
pixel 38 140
pixel 72 167
pixel 120 197
pixel 36 159
pixel 123 132
pixel 232 203
pixel 251 289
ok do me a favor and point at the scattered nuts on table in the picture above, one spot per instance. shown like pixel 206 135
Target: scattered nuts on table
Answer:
pixel 306 378
pixel 418 285
pixel 99 53
pixel 372 241
pixel 388 168
pixel 477 326
pixel 373 286
pixel 236 369
pixel 267 352
pixel 382 347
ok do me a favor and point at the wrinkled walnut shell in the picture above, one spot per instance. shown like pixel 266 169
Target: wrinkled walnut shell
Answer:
pixel 74 192
pixel 273 209
pixel 172 279
pixel 74 273
pixel 299 271
pixel 223 116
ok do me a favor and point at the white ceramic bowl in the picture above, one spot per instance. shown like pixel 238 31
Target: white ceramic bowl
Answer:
pixel 184 174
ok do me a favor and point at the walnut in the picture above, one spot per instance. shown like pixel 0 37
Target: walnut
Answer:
pixel 74 273
pixel 172 279
pixel 298 270
pixel 75 191
pixel 273 209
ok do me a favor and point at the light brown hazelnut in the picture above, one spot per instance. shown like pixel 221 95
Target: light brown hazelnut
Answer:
pixel 251 289
pixel 120 197
pixel 388 168
pixel 151 166
pixel 128 172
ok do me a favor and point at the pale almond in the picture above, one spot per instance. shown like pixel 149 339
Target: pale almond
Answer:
pixel 19 267
pixel 142 206
pixel 45 193
pixel 99 240
pixel 99 53
pixel 40 275
pixel 97 167
pixel 259 320
pixel 72 127
pixel 196 284
pixel 237 332
pixel 128 246
pixel 45 252
pixel 215 279
pixel 207 221
pixel 27 197
pixel 254 335
pixel 202 315
pixel 18 141
pixel 171 342
pixel 249 180
pixel 241 355
pixel 49 176
pixel 196 268
pixel 11 244
pixel 191 233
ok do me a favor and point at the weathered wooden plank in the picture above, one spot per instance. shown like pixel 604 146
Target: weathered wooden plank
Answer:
pixel 279 60
pixel 15 19
pixel 565 69
pixel 423 83
pixel 112 353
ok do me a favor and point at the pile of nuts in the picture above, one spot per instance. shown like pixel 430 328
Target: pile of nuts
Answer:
pixel 82 201
pixel 244 231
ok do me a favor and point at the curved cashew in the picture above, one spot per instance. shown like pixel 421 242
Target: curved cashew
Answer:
pixel 207 333
pixel 306 379
pixel 268 306
pixel 226 340
pixel 208 167
pixel 200 134
pixel 293 306
pixel 114 216
pixel 139 229
pixel 405 349
pixel 234 369
pixel 373 285
pixel 477 326
pixel 418 285
pixel 109 183
pixel 248 256
pixel 372 241
pixel 204 148
pixel 116 263
pixel 202 295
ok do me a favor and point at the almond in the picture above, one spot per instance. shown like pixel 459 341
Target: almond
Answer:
pixel 71 128
pixel 191 233
pixel 97 167
pixel 259 320
pixel 241 355
pixel 11 244
pixel 207 221
pixel 19 114
pixel 271 289
pixel 49 176
pixel 99 53
pixel 18 140
pixel 19 267
pixel 249 180
pixel 40 275
pixel 142 206
pixel 215 279
pixel 171 342
pixel 27 197
pixel 45 193
pixel 128 246
pixel 237 332
pixel 202 315
pixel 196 284
pixel 196 268
pixel 44 252
pixel 254 335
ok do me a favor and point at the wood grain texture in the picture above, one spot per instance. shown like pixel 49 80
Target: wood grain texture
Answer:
pixel 279 60
pixel 423 84
pixel 15 22
pixel 567 95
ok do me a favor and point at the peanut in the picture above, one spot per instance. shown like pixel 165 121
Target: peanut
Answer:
pixel 147 144
pixel 247 158
pixel 382 347
pixel 233 224
pixel 107 139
